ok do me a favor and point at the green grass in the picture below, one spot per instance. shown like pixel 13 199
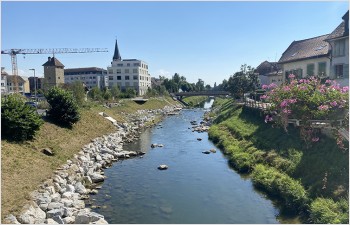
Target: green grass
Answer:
pixel 24 167
pixel 195 101
pixel 321 170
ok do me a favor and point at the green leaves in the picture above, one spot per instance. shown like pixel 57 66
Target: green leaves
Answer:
pixel 63 107
pixel 19 122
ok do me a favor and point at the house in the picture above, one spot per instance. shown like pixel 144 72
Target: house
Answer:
pixel 269 72
pixel 128 73
pixel 309 57
pixel 11 88
pixel 38 81
pixel 90 76
pixel 53 73
pixel 339 58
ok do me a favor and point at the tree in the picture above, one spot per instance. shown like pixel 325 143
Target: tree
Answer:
pixel 95 94
pixel 78 90
pixel 243 81
pixel 200 85
pixel 115 91
pixel 63 107
pixel 19 121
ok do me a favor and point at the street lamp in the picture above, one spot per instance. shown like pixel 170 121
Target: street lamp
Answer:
pixel 34 85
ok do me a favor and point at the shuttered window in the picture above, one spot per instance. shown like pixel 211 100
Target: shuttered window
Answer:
pixel 322 69
pixel 310 69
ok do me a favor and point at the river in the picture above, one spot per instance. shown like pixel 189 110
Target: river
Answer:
pixel 196 188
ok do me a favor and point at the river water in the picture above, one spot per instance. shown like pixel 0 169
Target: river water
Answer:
pixel 196 188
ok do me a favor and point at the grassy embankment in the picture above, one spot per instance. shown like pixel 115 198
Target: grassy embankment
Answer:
pixel 313 182
pixel 24 167
pixel 195 101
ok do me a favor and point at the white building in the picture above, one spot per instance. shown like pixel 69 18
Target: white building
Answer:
pixel 90 76
pixel 128 73
pixel 3 81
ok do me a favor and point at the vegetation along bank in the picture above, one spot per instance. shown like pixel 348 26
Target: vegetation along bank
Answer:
pixel 25 167
pixel 312 182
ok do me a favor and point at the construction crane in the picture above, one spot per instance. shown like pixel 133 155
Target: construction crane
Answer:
pixel 13 53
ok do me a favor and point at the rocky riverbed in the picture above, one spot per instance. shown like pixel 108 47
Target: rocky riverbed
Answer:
pixel 61 199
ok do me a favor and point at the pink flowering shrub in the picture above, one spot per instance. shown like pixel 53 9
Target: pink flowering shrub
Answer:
pixel 306 99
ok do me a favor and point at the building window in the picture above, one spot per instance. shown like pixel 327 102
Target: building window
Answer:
pixel 136 64
pixel 128 64
pixel 339 48
pixel 134 70
pixel 135 77
pixel 110 77
pixel 135 84
pixel 339 71
pixel 110 71
pixel 120 64
pixel 127 71
pixel 310 69
pixel 127 78
pixel 322 69
pixel 119 77
pixel 119 71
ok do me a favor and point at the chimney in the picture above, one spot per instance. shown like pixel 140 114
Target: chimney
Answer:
pixel 49 58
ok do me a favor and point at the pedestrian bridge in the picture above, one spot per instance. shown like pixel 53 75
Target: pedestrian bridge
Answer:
pixel 202 93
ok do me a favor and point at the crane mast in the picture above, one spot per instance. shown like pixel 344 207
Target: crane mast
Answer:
pixel 13 53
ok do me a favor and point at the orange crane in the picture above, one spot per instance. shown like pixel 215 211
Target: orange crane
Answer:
pixel 13 53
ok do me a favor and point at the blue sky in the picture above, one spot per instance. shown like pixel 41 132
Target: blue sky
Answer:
pixel 207 40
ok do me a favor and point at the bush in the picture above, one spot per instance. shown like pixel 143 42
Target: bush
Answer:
pixel 63 107
pixel 325 211
pixel 277 183
pixel 19 121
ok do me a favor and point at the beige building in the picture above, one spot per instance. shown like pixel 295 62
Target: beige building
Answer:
pixel 53 73
pixel 309 57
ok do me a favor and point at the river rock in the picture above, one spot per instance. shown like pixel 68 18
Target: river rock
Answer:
pixel 163 167
pixel 79 187
pixel 154 145
pixel 10 219
pixel 67 211
pixel 32 214
pixel 160 145
pixel 206 152
pixel 50 221
pixel 55 205
pixel 54 212
pixel 55 197
pixel 69 220
pixel 96 178
pixel 67 202
pixel 98 157
pixel 50 189
pixel 85 218
pixel 47 152
pixel 213 150
pixel 100 221
pixel 78 204
pixel 58 219
pixel 199 139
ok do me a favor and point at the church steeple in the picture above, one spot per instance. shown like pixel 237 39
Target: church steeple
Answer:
pixel 116 56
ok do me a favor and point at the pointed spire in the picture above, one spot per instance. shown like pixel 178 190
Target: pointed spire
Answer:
pixel 116 56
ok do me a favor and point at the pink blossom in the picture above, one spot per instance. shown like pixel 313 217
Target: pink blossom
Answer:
pixel 323 107
pixel 328 81
pixel 286 88
pixel 302 87
pixel 334 103
pixel 345 89
pixel 292 100
pixel 291 76
pixel 263 97
pixel 284 103
pixel 265 86
pixel 272 86
pixel 268 118
pixel 315 139
pixel 287 111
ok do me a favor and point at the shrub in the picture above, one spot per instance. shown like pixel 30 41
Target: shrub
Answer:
pixel 274 182
pixel 63 107
pixel 325 211
pixel 19 121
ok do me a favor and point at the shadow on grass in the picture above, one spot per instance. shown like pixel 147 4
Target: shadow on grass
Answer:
pixel 323 168
pixel 48 119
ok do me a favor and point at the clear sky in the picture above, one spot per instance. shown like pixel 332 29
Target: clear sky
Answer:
pixel 207 40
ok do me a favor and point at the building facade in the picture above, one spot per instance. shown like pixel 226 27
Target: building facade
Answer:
pixel 53 73
pixel 39 82
pixel 3 81
pixel 91 76
pixel 128 73
pixel 339 60
pixel 269 72
pixel 309 57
